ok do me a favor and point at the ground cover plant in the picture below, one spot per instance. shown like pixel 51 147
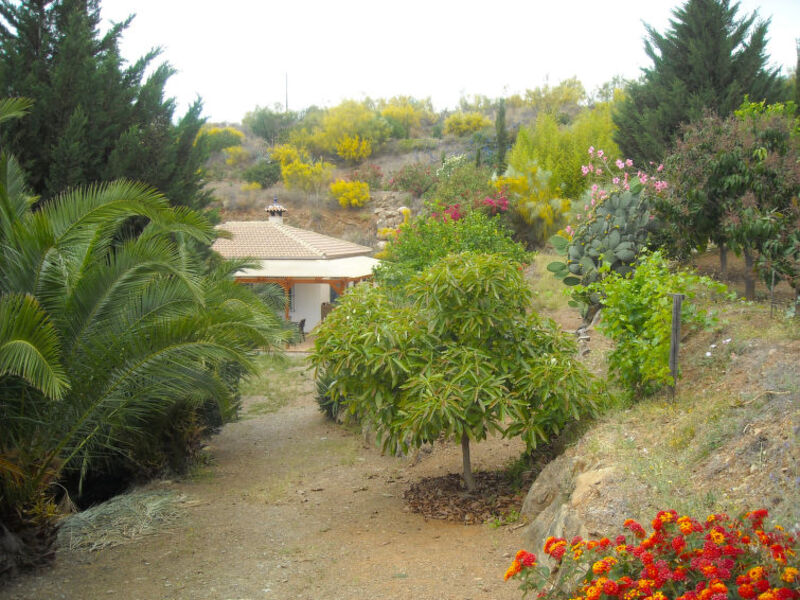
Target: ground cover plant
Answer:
pixel 683 558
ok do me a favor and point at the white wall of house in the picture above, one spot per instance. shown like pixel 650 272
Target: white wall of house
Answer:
pixel 308 299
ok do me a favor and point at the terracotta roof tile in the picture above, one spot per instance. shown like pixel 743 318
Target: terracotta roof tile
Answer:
pixel 273 240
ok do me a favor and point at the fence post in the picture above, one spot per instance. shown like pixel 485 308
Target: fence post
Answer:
pixel 675 341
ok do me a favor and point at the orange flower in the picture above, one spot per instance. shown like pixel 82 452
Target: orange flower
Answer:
pixel 515 568
pixel 756 573
pixel 790 574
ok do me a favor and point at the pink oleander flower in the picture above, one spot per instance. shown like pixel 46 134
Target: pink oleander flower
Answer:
pixel 620 164
pixel 629 162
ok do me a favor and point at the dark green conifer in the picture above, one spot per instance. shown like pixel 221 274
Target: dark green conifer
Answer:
pixel 95 117
pixel 501 138
pixel 707 61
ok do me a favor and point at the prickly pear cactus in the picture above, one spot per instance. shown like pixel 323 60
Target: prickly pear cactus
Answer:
pixel 615 232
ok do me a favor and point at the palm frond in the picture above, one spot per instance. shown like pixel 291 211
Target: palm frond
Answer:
pixel 29 345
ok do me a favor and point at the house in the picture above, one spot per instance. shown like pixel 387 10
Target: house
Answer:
pixel 313 269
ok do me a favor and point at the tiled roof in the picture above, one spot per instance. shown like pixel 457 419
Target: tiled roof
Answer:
pixel 274 240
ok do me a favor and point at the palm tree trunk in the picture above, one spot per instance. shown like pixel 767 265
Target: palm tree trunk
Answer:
pixel 469 481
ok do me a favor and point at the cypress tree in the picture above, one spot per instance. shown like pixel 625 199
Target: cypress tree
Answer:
pixel 501 137
pixel 707 61
pixel 95 117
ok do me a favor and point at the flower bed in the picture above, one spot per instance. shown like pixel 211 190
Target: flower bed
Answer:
pixel 682 559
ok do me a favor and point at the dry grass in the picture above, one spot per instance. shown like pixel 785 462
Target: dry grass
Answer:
pixel 120 520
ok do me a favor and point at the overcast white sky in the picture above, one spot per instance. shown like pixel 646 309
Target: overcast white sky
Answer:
pixel 234 54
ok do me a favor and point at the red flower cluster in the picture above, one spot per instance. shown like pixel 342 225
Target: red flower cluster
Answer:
pixel 682 559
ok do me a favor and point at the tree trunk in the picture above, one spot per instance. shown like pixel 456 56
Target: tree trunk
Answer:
pixel 723 261
pixel 469 481
pixel 749 277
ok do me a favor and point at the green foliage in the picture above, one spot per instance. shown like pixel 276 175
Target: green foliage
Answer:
pixel 322 132
pixel 217 139
pixel 94 119
pixel 460 180
pixel 405 114
pixel 464 359
pixel 637 315
pixel 707 61
pixel 461 124
pixel 416 178
pixel 736 182
pixel 537 209
pixel 561 149
pixel 611 235
pixel 562 99
pixel 371 174
pixel 236 156
pixel 350 193
pixel 426 240
pixel 271 125
pixel 265 172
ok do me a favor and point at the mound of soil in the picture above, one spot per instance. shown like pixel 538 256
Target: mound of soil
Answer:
pixel 445 497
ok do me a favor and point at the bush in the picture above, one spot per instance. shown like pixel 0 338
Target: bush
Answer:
pixel 370 174
pixel 219 138
pixel 236 156
pixel 637 315
pixel 682 558
pixel 416 178
pixel 353 148
pixel 265 172
pixel 350 193
pixel 461 124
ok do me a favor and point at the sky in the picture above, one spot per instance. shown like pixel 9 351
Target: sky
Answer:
pixel 239 54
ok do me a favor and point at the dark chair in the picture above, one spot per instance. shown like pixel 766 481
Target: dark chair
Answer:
pixel 301 326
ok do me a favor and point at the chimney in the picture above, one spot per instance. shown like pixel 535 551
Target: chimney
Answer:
pixel 276 211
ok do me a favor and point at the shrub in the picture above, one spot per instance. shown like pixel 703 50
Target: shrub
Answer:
pixel 461 124
pixel 426 240
pixel 416 178
pixel 236 156
pixel 219 138
pixel 371 174
pixel 265 172
pixel 682 558
pixel 460 181
pixel 350 193
pixel 353 148
pixel 250 187
pixel 637 315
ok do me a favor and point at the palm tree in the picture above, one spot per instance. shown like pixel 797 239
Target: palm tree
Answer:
pixel 103 331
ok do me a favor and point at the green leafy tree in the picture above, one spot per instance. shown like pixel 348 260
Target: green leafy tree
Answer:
pixel 707 61
pixel 271 125
pixel 466 358
pixel 94 118
pixel 426 240
pixel 735 182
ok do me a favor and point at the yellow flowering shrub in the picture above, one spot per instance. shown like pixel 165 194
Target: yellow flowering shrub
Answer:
pixel 236 155
pixel 219 138
pixel 251 186
pixel 353 148
pixel 299 171
pixel 534 199
pixel 464 123
pixel 350 193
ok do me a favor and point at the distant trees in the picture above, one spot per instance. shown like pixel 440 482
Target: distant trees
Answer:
pixel 500 137
pixel 271 125
pixel 94 118
pixel 707 60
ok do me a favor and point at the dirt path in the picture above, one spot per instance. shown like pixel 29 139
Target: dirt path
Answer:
pixel 295 507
